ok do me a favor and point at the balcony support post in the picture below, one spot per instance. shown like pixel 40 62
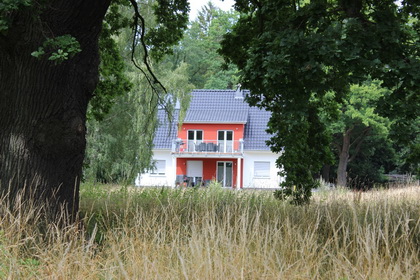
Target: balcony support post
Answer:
pixel 238 174
pixel 173 171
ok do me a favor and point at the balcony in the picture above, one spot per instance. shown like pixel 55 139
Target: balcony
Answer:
pixel 207 148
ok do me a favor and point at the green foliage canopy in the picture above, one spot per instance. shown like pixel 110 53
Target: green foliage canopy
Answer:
pixel 356 121
pixel 291 51
pixel 198 49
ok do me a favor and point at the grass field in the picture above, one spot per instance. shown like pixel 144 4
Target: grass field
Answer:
pixel 219 234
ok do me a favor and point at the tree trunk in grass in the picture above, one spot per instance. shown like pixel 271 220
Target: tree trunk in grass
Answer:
pixel 343 159
pixel 43 104
pixel 344 152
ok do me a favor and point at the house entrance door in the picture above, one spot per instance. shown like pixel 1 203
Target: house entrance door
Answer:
pixel 225 173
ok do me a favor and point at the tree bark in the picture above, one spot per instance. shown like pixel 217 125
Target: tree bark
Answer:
pixel 343 159
pixel 344 153
pixel 43 105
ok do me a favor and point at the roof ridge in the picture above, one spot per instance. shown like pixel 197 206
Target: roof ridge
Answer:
pixel 218 90
pixel 222 109
pixel 214 90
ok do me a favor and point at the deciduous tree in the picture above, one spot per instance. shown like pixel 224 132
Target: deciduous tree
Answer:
pixel 49 62
pixel 198 49
pixel 290 51
pixel 356 120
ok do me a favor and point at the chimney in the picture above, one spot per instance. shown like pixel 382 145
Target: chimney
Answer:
pixel 239 92
pixel 177 105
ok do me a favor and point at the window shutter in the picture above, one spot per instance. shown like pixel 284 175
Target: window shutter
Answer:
pixel 262 169
pixel 161 166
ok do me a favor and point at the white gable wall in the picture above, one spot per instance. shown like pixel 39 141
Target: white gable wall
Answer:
pixel 270 179
pixel 147 179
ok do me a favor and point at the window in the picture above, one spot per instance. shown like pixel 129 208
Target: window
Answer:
pixel 159 168
pixel 195 137
pixel 225 139
pixel 262 169
pixel 224 173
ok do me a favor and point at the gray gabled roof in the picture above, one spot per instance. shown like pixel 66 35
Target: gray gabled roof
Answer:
pixel 215 106
pixel 218 106
pixel 216 116
pixel 255 135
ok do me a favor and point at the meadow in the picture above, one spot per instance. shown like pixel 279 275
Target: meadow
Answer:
pixel 156 233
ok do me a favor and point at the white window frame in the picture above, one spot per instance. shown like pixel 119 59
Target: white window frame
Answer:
pixel 194 141
pixel 159 168
pixel 225 142
pixel 224 173
pixel 260 172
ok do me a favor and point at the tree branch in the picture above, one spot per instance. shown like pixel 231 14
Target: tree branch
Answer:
pixel 362 134
pixel 359 144
pixel 153 80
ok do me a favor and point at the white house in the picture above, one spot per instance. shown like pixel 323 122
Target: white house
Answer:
pixel 221 138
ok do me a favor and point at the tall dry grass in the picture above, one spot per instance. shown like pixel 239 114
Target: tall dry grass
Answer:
pixel 218 234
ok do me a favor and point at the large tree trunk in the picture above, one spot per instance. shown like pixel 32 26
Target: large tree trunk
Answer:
pixel 43 105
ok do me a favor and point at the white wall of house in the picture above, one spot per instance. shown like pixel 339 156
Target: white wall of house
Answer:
pixel 158 179
pixel 260 170
pixel 255 172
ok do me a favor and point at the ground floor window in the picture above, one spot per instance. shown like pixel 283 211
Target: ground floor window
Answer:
pixel 159 167
pixel 261 169
pixel 225 173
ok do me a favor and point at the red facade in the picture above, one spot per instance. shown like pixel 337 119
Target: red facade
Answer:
pixel 210 152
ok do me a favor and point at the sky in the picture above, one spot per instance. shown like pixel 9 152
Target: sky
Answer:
pixel 196 5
